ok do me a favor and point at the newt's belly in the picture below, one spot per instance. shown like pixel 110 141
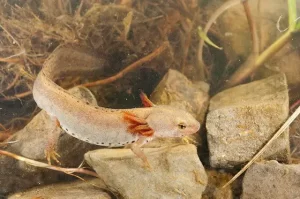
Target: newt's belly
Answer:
pixel 109 130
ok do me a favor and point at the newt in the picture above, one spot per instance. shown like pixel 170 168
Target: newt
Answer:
pixel 105 126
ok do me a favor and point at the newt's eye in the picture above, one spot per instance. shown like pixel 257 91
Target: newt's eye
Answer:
pixel 181 126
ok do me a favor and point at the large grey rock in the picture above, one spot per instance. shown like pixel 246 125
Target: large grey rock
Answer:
pixel 176 172
pixel 90 189
pixel 31 143
pixel 271 180
pixel 243 118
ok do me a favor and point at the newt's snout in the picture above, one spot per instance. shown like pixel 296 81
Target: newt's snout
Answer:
pixel 197 127
pixel 194 128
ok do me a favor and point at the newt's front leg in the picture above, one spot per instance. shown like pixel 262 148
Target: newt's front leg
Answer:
pixel 136 149
pixel 138 126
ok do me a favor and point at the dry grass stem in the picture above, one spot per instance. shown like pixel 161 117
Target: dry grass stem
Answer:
pixel 68 171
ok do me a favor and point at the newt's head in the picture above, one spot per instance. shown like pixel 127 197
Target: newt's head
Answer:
pixel 168 121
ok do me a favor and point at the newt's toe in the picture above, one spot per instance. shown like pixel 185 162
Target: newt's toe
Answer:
pixel 51 154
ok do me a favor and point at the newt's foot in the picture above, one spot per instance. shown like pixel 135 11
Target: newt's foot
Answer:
pixel 51 154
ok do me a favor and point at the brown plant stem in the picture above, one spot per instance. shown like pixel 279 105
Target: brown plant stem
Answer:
pixel 186 47
pixel 16 96
pixel 253 29
pixel 12 84
pixel 129 68
pixel 296 104
pixel 3 127
pixel 11 60
pixel 4 136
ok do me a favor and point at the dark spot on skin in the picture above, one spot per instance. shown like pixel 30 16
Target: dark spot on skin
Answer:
pixel 147 140
pixel 119 143
pixel 87 140
pixel 77 100
pixel 73 134
pixel 67 130
pixel 87 103
pixel 133 141
pixel 109 144
pixel 127 142
pixel 102 143
pixel 97 142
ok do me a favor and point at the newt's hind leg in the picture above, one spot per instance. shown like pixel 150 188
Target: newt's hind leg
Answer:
pixel 136 149
pixel 50 151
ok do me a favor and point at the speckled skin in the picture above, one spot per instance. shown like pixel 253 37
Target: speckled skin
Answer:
pixel 103 126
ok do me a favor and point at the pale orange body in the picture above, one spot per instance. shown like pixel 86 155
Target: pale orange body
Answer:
pixel 108 127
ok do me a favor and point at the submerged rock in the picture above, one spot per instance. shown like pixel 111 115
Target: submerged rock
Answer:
pixel 176 172
pixel 270 180
pixel 31 143
pixel 243 118
pixel 177 90
pixel 90 189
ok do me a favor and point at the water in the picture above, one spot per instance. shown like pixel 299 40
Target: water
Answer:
pixel 118 49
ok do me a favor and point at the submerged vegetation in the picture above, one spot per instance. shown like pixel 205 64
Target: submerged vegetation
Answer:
pixel 124 33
